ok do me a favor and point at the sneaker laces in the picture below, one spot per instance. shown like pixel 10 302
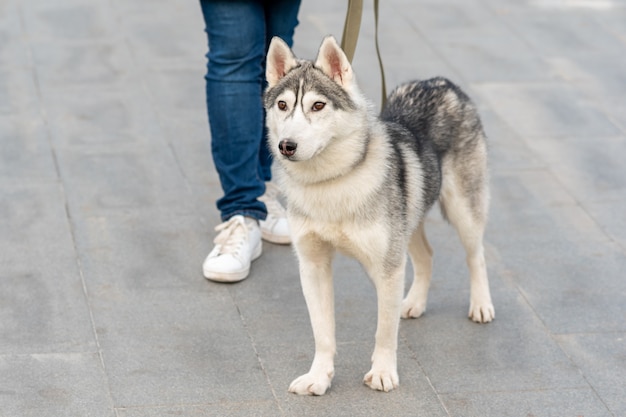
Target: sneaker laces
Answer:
pixel 233 235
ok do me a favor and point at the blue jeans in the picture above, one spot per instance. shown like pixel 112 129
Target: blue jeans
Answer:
pixel 239 32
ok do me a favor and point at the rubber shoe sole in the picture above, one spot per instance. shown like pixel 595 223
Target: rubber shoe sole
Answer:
pixel 272 238
pixel 235 276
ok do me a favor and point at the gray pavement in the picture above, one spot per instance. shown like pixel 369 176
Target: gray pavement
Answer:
pixel 107 194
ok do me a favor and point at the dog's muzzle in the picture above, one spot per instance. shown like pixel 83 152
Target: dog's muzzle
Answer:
pixel 287 147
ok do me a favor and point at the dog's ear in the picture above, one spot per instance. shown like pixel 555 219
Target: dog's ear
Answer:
pixel 334 62
pixel 280 60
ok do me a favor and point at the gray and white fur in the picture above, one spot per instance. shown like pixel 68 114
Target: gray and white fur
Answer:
pixel 362 184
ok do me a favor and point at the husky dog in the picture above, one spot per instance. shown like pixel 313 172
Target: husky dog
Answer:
pixel 362 185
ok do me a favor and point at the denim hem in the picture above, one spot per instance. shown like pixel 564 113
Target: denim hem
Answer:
pixel 255 214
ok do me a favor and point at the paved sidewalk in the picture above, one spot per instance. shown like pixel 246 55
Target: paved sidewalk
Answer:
pixel 107 194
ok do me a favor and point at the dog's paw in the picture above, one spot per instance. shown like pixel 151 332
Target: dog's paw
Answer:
pixel 382 380
pixel 311 384
pixel 411 310
pixel 481 312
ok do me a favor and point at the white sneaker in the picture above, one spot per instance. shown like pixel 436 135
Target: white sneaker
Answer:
pixel 274 228
pixel 236 246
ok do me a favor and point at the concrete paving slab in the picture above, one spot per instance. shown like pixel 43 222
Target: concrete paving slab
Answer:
pixel 59 384
pixel 107 204
pixel 156 46
pixel 478 46
pixel 26 153
pixel 177 92
pixel 262 302
pixel 421 61
pixel 82 117
pixel 43 307
pixel 193 155
pixel 68 20
pixel 590 171
pixel 123 180
pixel 531 211
pixel 142 250
pixel 601 359
pixel 612 21
pixel 507 151
pixel 527 190
pixel 14 53
pixel 93 63
pixel 223 409
pixel 158 352
pixel 348 396
pixel 514 353
pixel 544 403
pixel 597 76
pixel 553 33
pixel 18 93
pixel 546 109
pixel 162 330
pixel 610 218
pixel 566 294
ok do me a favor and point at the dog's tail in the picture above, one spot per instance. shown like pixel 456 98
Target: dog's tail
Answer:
pixel 435 111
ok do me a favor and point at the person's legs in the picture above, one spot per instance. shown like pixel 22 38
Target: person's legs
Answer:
pixel 237 34
pixel 234 84
pixel 281 19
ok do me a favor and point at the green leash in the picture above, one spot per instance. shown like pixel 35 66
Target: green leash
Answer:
pixel 350 36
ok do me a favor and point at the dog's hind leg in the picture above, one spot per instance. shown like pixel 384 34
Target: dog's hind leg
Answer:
pixel 389 287
pixel 414 304
pixel 464 200
pixel 315 259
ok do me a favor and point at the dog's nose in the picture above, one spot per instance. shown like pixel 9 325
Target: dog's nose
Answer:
pixel 287 147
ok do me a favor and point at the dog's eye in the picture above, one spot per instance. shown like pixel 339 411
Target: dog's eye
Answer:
pixel 318 105
pixel 282 105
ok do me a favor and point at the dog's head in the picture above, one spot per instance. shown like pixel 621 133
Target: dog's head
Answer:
pixel 310 105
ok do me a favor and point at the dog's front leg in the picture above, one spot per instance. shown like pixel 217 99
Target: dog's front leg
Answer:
pixel 389 288
pixel 317 285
